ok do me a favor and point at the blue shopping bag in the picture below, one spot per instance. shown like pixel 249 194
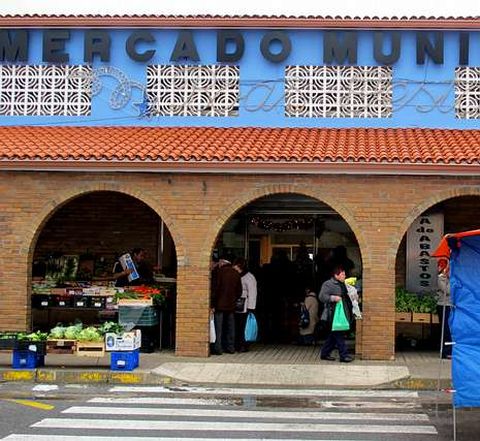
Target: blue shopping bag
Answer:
pixel 251 328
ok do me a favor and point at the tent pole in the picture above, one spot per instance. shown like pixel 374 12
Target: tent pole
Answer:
pixel 454 423
pixel 440 364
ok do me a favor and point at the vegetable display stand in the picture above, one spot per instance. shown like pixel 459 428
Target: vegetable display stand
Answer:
pixel 90 349
pixel 405 317
pixel 124 360
pixel 38 347
pixel 27 359
pixel 421 317
pixel 61 346
pixel 7 341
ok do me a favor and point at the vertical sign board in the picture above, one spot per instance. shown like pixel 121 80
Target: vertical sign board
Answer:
pixel 423 237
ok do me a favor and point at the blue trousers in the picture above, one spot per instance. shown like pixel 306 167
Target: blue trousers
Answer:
pixel 225 331
pixel 336 339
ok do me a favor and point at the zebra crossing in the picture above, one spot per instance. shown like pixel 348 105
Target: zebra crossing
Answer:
pixel 144 413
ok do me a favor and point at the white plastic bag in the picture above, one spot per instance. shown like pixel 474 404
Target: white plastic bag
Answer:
pixel 213 335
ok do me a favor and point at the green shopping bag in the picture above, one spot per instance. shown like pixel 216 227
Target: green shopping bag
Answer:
pixel 340 322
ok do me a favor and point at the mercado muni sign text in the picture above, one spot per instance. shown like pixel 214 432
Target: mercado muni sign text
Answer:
pixel 339 47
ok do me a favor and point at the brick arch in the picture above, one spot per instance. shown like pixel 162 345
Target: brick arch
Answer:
pixel 69 194
pixel 244 199
pixel 425 205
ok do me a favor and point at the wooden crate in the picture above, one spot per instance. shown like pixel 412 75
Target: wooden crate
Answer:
pixel 61 346
pixel 403 317
pixel 90 349
pixel 421 317
pixel 435 319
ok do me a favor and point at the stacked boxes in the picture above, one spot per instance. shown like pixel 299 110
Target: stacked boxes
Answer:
pixel 124 350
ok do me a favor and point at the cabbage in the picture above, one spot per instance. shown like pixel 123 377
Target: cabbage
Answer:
pixel 89 334
pixel 71 332
pixel 58 332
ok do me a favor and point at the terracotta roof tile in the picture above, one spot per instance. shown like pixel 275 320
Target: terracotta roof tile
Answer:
pixel 240 145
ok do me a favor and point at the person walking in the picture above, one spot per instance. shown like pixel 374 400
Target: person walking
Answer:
pixel 307 334
pixel 444 306
pixel 226 290
pixel 245 304
pixel 332 292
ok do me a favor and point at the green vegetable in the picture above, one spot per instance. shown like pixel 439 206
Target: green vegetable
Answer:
pixel 71 332
pixel 410 302
pixel 58 332
pixel 89 334
pixel 116 328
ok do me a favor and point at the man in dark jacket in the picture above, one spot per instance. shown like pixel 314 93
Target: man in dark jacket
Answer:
pixel 226 290
pixel 332 292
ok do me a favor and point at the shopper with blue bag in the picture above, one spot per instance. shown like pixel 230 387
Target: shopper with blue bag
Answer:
pixel 337 315
pixel 251 328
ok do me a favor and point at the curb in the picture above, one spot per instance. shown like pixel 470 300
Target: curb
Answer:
pixel 82 376
pixel 72 376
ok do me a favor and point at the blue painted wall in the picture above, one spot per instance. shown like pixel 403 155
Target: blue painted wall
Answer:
pixel 423 94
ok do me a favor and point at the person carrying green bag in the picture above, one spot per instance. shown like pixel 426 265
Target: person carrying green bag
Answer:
pixel 337 314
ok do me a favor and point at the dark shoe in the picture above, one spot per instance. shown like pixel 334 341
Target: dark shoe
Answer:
pixel 214 352
pixel 347 359
pixel 243 350
pixel 327 357
pixel 230 351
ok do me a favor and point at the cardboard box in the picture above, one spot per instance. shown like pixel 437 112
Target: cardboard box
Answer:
pixel 127 263
pixel 128 341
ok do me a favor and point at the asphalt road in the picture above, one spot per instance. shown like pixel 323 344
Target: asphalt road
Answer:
pixel 85 413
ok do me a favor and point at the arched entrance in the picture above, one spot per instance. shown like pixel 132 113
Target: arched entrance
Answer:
pixel 77 248
pixel 288 240
pixel 417 322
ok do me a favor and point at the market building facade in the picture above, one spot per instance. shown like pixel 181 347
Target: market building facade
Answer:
pixel 190 135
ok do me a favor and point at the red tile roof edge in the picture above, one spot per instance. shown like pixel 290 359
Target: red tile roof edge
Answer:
pixel 238 21
pixel 247 148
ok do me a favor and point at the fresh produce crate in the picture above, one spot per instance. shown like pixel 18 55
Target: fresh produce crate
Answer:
pixel 62 301
pixel 39 347
pixel 7 340
pixel 421 317
pixel 139 316
pixel 27 359
pixel 90 349
pixel 80 302
pixel 403 317
pixel 61 346
pixel 97 302
pixel 41 300
pixel 124 361
pixel 435 319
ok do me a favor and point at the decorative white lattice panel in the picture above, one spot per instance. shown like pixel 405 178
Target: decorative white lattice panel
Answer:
pixel 50 90
pixel 467 92
pixel 207 90
pixel 338 91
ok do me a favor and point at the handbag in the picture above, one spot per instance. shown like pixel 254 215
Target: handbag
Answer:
pixel 340 321
pixel 304 321
pixel 213 335
pixel 251 328
pixel 240 304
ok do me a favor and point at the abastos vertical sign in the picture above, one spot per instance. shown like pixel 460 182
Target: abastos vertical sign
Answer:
pixel 423 237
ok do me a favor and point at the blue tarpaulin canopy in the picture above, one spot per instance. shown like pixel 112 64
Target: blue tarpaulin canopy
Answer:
pixel 463 249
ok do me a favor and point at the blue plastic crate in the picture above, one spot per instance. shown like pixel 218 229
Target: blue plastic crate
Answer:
pixel 27 359
pixel 124 361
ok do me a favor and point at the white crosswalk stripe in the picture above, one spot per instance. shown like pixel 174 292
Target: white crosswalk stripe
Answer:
pixel 146 413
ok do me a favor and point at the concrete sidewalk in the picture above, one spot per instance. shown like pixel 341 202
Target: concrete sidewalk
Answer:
pixel 262 366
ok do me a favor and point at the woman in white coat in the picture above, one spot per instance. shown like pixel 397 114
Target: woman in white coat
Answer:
pixel 247 303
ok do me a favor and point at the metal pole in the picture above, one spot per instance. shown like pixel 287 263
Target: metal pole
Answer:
pixel 454 423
